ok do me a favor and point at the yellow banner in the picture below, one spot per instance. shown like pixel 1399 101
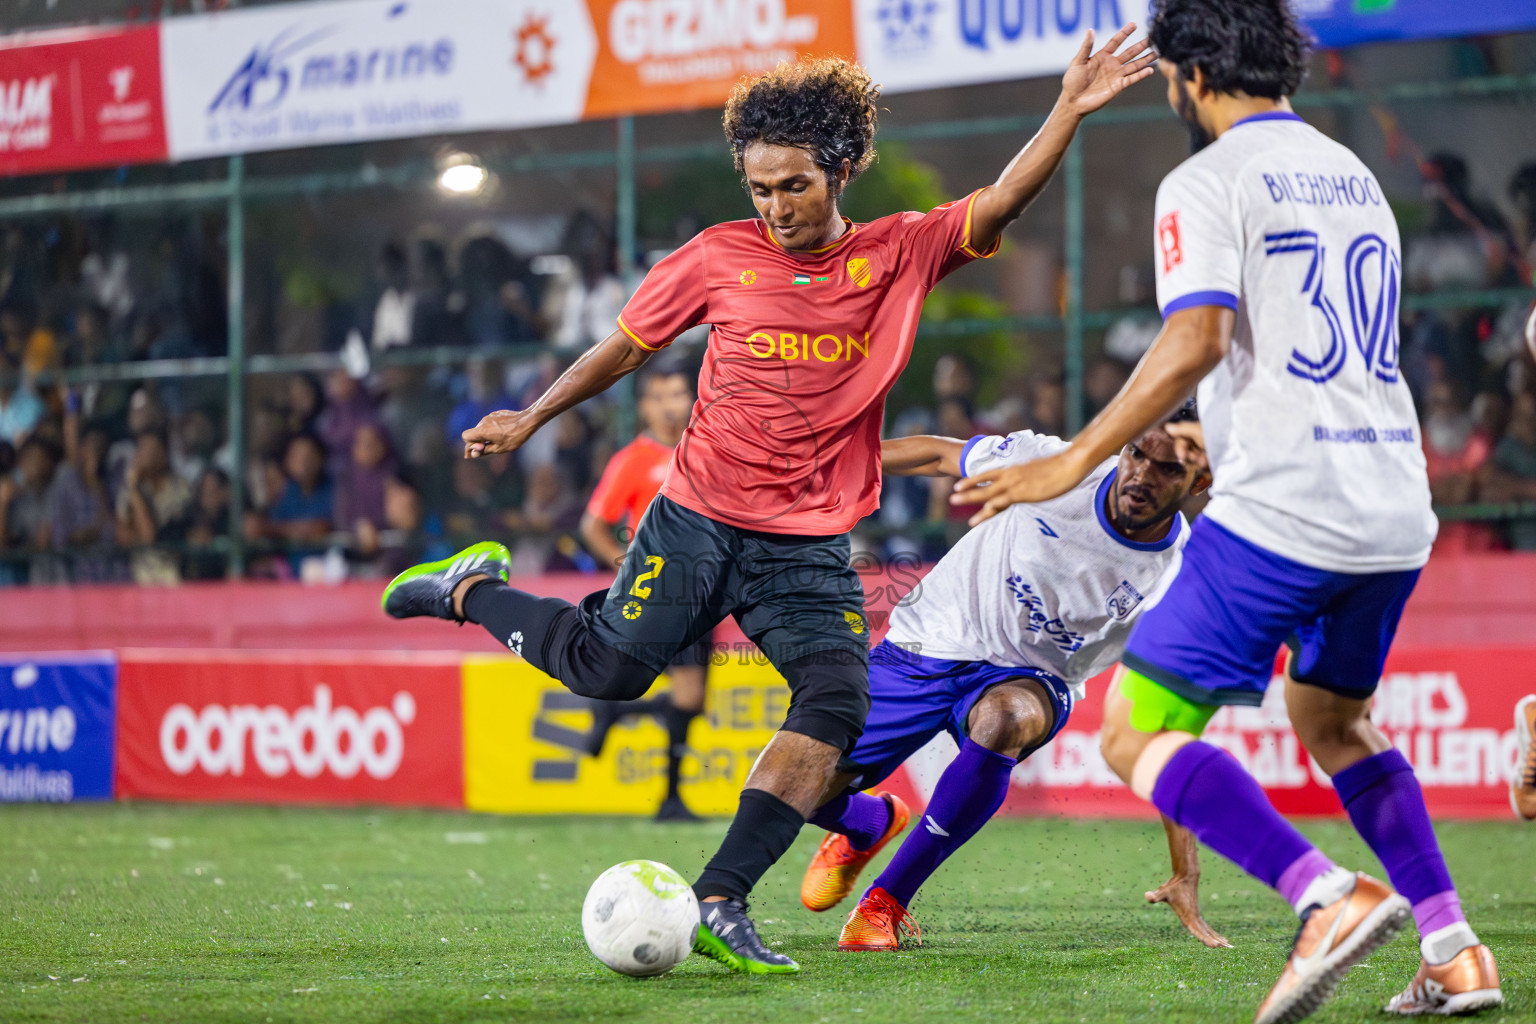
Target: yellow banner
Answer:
pixel 524 733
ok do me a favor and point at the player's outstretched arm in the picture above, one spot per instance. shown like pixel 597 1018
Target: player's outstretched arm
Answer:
pixel 1092 80
pixel 1182 890
pixel 598 369
pixel 921 455
pixel 1189 346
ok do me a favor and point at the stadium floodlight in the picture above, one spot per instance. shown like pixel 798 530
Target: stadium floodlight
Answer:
pixel 462 175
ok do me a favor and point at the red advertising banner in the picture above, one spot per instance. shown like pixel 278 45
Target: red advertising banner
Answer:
pixel 1450 711
pixel 310 728
pixel 86 98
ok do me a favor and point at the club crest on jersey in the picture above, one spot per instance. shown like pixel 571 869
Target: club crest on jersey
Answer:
pixel 748 277
pixel 1168 241
pixel 859 272
pixel 1122 601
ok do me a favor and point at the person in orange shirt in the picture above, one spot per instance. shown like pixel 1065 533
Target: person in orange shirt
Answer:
pixel 631 480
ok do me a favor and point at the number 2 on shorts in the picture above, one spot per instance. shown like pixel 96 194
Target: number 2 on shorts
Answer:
pixel 655 563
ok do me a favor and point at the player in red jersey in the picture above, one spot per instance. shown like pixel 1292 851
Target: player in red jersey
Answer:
pixel 812 318
pixel 629 484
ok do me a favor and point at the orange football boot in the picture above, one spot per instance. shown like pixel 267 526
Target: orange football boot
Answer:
pixel 1332 940
pixel 878 924
pixel 1467 981
pixel 835 869
pixel 1522 788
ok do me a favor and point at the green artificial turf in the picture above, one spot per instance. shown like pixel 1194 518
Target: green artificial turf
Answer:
pixel 178 913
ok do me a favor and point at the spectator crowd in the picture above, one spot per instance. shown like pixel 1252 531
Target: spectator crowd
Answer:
pixel 357 472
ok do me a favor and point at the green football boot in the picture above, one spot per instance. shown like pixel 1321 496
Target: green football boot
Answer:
pixel 427 589
pixel 726 934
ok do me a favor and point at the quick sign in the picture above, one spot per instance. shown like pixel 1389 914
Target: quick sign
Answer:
pixel 928 44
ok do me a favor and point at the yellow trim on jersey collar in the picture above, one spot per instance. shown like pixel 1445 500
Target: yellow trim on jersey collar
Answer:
pixel 852 227
pixel 965 242
pixel 635 337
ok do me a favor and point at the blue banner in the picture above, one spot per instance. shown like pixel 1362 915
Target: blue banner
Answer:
pixel 1340 23
pixel 57 727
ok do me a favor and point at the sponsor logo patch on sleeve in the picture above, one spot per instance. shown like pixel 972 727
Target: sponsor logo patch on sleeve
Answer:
pixel 1168 241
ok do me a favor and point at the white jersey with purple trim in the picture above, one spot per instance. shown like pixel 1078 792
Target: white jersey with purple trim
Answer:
pixel 1048 586
pixel 1311 431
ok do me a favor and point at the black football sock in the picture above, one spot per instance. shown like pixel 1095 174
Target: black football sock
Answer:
pixel 519 621
pixel 552 637
pixel 763 829
pixel 677 721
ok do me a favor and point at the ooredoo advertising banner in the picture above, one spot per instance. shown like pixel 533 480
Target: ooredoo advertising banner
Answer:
pixel 1451 713
pixel 928 44
pixel 310 728
pixel 311 74
pixel 86 98
pixel 56 724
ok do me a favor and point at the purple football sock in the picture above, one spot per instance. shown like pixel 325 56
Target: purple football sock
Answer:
pixel 1387 806
pixel 1204 789
pixel 969 792
pixel 861 817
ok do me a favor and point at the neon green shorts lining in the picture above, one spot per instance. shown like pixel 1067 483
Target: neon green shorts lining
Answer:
pixel 1155 708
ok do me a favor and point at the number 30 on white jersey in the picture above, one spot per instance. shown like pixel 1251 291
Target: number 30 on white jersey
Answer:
pixel 1313 439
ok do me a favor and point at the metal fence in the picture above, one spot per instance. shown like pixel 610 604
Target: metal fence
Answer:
pixel 237 190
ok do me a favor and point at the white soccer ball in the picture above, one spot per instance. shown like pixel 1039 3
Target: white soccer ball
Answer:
pixel 640 918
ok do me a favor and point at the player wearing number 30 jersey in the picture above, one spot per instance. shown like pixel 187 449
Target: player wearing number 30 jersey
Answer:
pixel 1279 273
pixel 1311 433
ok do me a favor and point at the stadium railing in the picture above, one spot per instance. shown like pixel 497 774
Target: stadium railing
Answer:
pixel 236 190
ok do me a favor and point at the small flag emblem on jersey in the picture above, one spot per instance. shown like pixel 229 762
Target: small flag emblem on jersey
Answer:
pixel 802 279
pixel 858 272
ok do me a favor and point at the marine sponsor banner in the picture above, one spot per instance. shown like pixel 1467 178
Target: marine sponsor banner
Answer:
pixel 56 725
pixel 680 54
pixel 310 74
pixel 80 98
pixel 310 728
pixel 1451 713
pixel 525 735
pixel 927 44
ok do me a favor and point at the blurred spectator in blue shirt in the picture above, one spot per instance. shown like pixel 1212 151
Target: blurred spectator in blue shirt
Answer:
pixel 485 396
pixel 302 512
pixel 20 408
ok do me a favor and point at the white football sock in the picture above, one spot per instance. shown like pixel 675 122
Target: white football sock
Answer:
pixel 1443 944
pixel 1333 884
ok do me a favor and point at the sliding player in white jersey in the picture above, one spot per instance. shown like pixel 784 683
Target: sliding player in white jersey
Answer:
pixel 994 645
pixel 1279 273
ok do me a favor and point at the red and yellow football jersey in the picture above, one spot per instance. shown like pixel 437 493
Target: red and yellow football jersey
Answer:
pixel 630 482
pixel 803 349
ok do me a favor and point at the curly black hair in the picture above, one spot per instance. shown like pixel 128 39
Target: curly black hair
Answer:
pixel 1243 46
pixel 825 107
